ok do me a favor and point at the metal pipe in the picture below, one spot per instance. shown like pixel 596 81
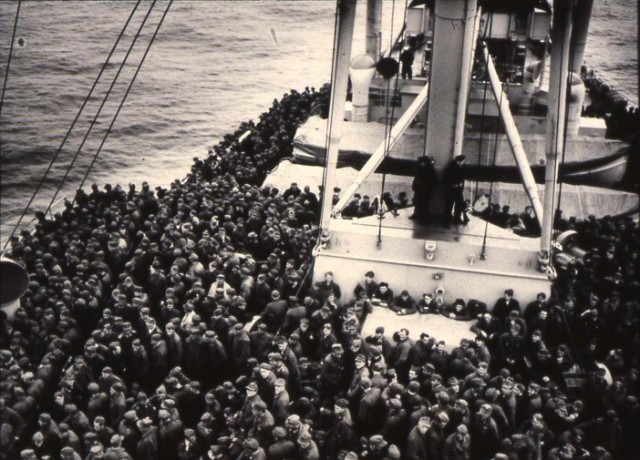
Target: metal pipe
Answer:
pixel 372 163
pixel 561 40
pixel 339 80
pixel 582 17
pixel 468 45
pixel 513 135
pixel 373 32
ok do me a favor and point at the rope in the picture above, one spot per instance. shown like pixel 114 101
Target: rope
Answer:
pixel 6 73
pixel 84 103
pixel 66 137
pixel 484 104
pixel 106 97
pixel 387 125
pixel 104 139
pixel 556 137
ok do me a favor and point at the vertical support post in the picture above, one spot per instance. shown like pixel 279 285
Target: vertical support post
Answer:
pixel 339 80
pixel 582 17
pixel 373 31
pixel 468 47
pixel 445 82
pixel 561 44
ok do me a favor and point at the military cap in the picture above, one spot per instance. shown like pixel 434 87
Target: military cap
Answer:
pixel 116 439
pixel 168 403
pixel 259 405
pixel 377 440
pixel 252 386
pixel 395 403
pixel 251 444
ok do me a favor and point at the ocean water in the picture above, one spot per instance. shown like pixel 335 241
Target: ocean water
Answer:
pixel 213 65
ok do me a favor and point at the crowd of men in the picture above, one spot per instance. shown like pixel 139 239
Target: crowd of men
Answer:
pixel 138 336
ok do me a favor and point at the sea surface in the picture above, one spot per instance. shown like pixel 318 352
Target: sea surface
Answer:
pixel 213 65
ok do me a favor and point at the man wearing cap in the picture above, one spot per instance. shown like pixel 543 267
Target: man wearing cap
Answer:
pixel 240 347
pixel 341 435
pixel 189 447
pixel 169 434
pixel 274 312
pixel 333 372
pixel 401 353
pixel 280 407
pixel 403 304
pixel 282 448
pixel 147 448
pixel 454 177
pixel 68 453
pixel 396 423
pixel 252 450
pixel 102 430
pixel 368 285
pixel 505 305
pixel 307 448
pixel 115 448
pixel 458 445
pixel 361 371
pixel 290 360
pixel 378 447
pixel 436 435
pixel 327 286
pixel 129 432
pixel 247 409
pixel 326 340
pixel 263 423
pixel 484 427
pixel 533 308
pixel 295 313
pixel 417 448
pixel 266 383
pixel 370 408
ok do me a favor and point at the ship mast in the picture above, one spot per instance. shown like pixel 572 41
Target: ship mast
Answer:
pixel 555 131
pixel 339 80
pixel 449 82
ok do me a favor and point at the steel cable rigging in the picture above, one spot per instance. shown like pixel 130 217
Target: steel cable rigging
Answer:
pixel 66 137
pixel 6 73
pixel 104 139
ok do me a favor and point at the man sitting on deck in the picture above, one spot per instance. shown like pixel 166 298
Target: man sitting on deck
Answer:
pixel 403 304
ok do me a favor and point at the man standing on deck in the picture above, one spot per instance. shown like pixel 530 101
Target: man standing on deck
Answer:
pixel 406 58
pixel 423 184
pixel 454 177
